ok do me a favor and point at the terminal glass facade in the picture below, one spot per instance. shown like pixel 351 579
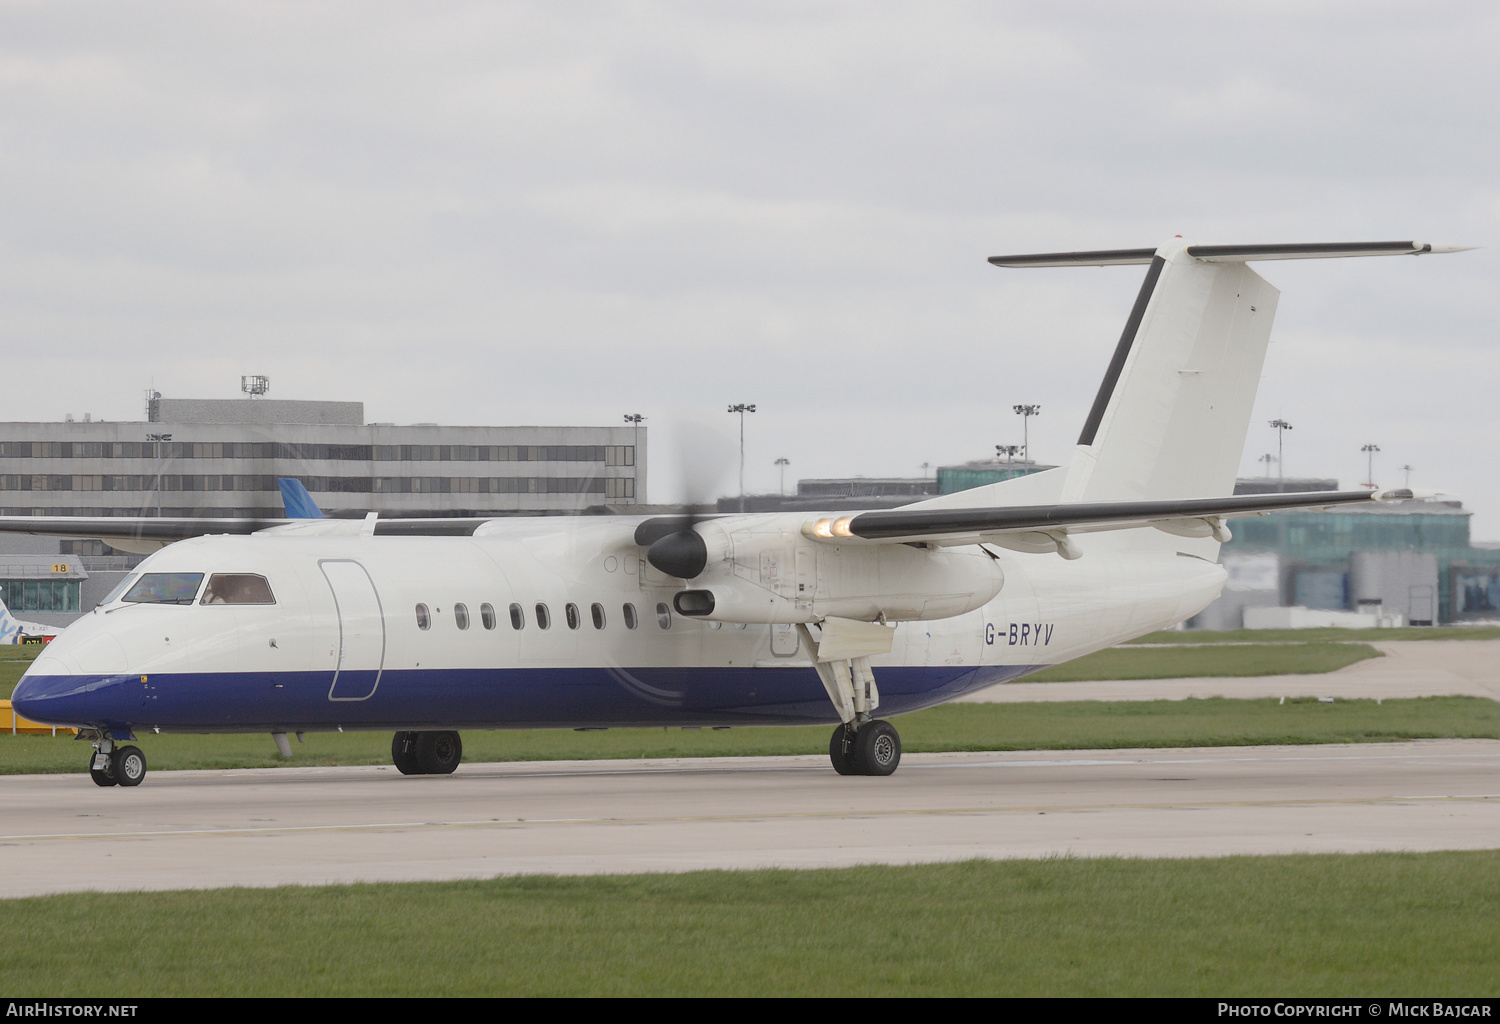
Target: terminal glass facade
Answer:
pixel 40 595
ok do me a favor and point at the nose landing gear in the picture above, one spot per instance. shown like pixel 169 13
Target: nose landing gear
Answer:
pixel 426 753
pixel 116 766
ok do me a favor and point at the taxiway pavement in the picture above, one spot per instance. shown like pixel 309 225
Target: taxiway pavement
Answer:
pixel 308 826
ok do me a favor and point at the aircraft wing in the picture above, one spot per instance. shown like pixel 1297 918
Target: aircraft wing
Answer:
pixel 145 534
pixel 1050 524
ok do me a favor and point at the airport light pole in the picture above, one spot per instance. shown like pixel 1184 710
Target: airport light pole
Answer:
pixel 1008 450
pixel 636 419
pixel 1268 458
pixel 1407 470
pixel 782 463
pixel 1370 450
pixel 1281 426
pixel 742 408
pixel 1026 412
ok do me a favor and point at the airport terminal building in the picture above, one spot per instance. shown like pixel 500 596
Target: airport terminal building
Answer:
pixel 222 458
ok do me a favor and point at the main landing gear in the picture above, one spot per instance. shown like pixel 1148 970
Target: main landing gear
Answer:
pixel 116 766
pixel 426 753
pixel 863 744
pixel 874 748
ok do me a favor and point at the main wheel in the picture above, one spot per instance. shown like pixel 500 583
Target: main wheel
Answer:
pixel 841 751
pixel 404 753
pixel 129 765
pixel 877 748
pixel 438 753
pixel 103 776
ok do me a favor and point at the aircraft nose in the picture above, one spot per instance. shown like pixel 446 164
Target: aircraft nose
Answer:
pixel 59 690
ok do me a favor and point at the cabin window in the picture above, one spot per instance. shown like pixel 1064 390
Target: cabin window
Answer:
pixel 165 588
pixel 517 617
pixel 487 615
pixel 574 620
pixel 663 616
pixel 628 610
pixel 424 617
pixel 461 615
pixel 543 616
pixel 598 612
pixel 237 588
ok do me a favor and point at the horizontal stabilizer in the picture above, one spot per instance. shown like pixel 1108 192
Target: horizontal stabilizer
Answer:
pixel 1227 253
pixel 1100 258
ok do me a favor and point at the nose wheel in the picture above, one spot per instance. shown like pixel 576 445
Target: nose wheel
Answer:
pixel 870 748
pixel 117 766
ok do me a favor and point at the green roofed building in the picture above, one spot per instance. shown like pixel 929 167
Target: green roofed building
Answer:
pixel 1412 558
pixel 984 471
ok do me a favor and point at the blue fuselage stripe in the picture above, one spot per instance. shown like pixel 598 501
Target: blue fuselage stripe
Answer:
pixel 480 698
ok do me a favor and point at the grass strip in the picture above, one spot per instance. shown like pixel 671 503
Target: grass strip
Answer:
pixel 1189 661
pixel 1062 725
pixel 1372 925
pixel 14 660
pixel 1240 636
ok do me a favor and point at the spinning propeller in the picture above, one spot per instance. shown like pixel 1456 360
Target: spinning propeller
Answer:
pixel 674 546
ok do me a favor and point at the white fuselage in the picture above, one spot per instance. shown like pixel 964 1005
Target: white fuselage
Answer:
pixel 396 632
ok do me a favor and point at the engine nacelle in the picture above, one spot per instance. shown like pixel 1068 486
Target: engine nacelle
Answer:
pixel 771 573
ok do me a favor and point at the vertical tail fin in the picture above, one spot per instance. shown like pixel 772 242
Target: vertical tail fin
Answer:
pixel 1172 413
pixel 295 499
pixel 10 628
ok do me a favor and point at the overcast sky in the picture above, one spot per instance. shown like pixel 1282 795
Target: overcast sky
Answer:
pixel 558 213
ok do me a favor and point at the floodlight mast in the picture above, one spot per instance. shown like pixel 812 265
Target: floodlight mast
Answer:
pixel 1026 412
pixel 742 408
pixel 1370 450
pixel 1281 426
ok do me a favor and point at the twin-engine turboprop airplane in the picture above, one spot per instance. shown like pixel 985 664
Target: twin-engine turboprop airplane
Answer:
pixel 425 627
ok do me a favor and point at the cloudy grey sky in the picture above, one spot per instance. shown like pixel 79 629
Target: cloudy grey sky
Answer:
pixel 561 212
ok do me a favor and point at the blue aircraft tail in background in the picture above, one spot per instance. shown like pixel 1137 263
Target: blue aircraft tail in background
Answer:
pixel 295 499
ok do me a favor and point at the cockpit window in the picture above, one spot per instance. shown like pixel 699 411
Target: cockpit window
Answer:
pixel 237 588
pixel 120 588
pixel 165 588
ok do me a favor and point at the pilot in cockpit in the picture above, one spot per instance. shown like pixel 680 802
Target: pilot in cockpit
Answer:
pixel 237 588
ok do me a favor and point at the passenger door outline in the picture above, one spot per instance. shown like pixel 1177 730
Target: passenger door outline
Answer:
pixel 361 650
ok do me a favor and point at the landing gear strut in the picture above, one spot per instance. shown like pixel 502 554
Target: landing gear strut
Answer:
pixel 873 748
pixel 116 766
pixel 863 744
pixel 426 753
